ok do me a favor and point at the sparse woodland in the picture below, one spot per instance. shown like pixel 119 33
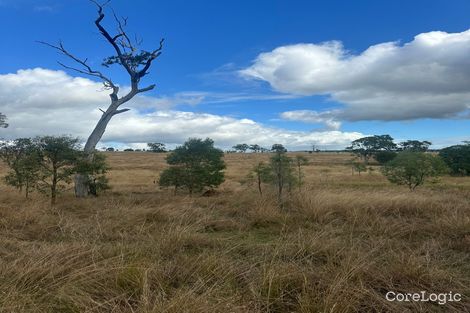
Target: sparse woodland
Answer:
pixel 336 246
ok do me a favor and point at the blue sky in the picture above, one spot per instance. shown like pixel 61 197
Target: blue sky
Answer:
pixel 213 66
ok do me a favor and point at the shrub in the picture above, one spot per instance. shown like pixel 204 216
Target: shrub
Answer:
pixel 413 168
pixel 384 156
pixel 195 165
pixel 457 159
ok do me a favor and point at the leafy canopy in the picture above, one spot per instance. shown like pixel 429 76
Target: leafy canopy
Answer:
pixel 413 168
pixel 457 158
pixel 195 165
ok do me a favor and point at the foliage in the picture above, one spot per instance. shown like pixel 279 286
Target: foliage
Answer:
pixel 278 148
pixel 281 172
pixel 3 121
pixel 94 167
pixel 23 159
pixel 241 147
pixel 457 159
pixel 59 156
pixel 367 147
pixel 415 145
pixel 156 147
pixel 255 148
pixel 413 168
pixel 261 173
pixel 384 156
pixel 199 165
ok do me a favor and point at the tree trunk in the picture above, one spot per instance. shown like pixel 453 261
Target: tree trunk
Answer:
pixel 81 180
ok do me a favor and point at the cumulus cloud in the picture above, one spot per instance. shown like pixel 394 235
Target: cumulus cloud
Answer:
pixel 41 101
pixel 428 77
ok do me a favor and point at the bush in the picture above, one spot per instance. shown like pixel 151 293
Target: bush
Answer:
pixel 384 156
pixel 457 159
pixel 195 165
pixel 413 168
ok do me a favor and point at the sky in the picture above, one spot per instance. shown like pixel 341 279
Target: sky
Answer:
pixel 299 73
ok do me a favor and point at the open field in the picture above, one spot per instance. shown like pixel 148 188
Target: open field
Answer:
pixel 341 243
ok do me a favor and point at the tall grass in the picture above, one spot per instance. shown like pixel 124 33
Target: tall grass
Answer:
pixel 339 245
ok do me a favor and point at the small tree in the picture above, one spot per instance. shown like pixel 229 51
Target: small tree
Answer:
pixel 199 165
pixel 261 173
pixel 300 161
pixel 59 156
pixel 156 147
pixel 281 172
pixel 3 121
pixel 413 168
pixel 23 159
pixel 95 170
pixel 241 147
pixel 278 148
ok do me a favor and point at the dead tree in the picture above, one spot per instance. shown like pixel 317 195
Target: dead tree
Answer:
pixel 136 63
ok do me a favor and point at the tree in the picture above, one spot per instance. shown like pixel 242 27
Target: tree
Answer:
pixel 59 156
pixel 173 176
pixel 95 170
pixel 3 121
pixel 278 148
pixel 415 145
pixel 367 147
pixel 413 168
pixel 127 54
pixel 255 148
pixel 23 159
pixel 300 161
pixel 156 147
pixel 199 164
pixel 261 172
pixel 457 159
pixel 241 147
pixel 281 171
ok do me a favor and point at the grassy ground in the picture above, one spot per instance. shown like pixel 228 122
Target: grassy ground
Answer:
pixel 341 243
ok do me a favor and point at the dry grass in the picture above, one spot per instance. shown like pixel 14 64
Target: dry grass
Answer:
pixel 339 246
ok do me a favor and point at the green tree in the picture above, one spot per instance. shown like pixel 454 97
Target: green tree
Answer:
pixel 255 148
pixel 156 147
pixel 281 172
pixel 174 176
pixel 278 148
pixel 413 168
pixel 59 156
pixel 261 173
pixel 367 147
pixel 457 159
pixel 198 162
pixel 3 121
pixel 415 145
pixel 300 161
pixel 23 158
pixel 93 167
pixel 241 147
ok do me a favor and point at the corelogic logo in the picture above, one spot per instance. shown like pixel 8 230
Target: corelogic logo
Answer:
pixel 423 296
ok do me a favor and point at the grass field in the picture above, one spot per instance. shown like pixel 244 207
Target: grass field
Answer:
pixel 339 245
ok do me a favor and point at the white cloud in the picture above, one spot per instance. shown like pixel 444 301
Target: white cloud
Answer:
pixel 41 101
pixel 326 117
pixel 428 77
